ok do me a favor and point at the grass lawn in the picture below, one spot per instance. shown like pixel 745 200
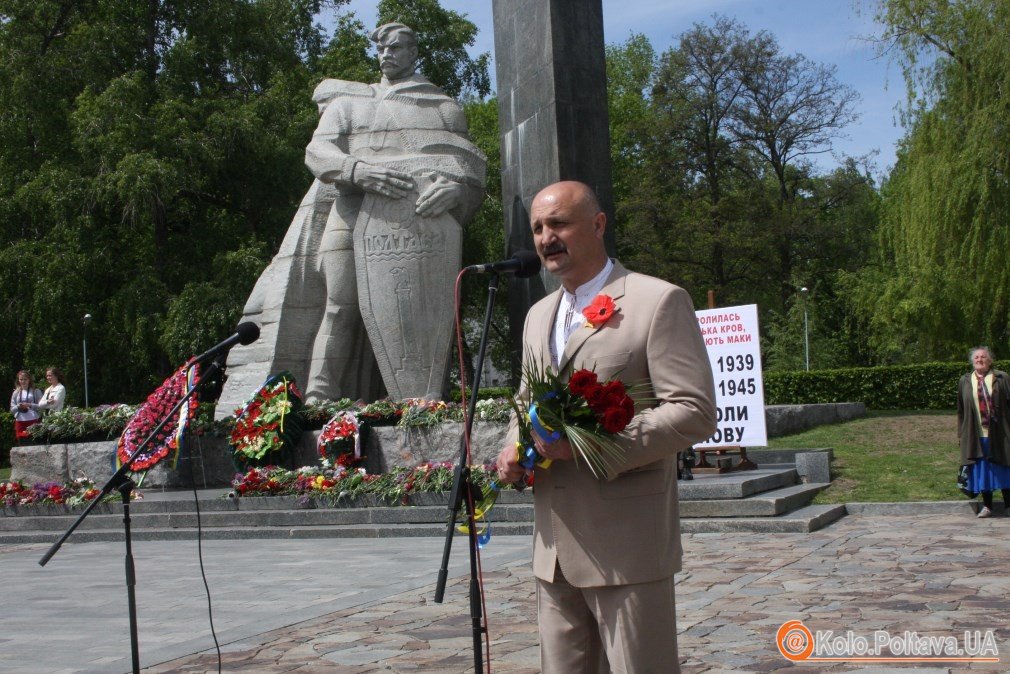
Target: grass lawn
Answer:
pixel 888 456
pixel 5 473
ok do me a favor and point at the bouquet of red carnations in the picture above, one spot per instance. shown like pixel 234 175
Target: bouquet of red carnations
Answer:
pixel 586 411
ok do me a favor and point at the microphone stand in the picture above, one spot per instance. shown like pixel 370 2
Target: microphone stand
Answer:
pixel 463 487
pixel 124 485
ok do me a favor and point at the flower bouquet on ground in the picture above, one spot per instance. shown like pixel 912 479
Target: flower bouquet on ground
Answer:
pixel 339 443
pixel 268 427
pixel 78 492
pixel 149 415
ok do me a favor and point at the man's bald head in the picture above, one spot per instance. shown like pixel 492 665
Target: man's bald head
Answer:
pixel 568 228
pixel 578 194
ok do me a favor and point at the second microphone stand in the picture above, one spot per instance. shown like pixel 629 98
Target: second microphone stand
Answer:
pixel 124 485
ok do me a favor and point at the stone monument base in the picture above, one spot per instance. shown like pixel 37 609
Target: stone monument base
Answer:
pixel 206 462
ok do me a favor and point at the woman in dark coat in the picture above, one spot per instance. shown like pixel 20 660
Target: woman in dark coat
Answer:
pixel 983 427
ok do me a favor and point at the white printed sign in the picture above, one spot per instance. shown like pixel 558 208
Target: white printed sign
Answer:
pixel 734 350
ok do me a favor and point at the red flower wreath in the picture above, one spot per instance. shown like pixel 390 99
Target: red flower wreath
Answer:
pixel 269 422
pixel 339 440
pixel 150 414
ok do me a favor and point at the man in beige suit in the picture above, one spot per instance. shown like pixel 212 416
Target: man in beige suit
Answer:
pixel 605 551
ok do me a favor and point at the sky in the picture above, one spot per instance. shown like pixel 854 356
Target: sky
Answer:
pixel 828 32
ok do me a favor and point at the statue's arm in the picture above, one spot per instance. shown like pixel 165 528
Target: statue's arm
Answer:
pixel 463 197
pixel 323 155
pixel 331 164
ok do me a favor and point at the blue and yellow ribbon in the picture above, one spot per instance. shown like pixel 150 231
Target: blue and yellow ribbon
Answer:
pixel 542 429
pixel 527 458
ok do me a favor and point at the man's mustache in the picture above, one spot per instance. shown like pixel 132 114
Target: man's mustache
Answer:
pixel 556 247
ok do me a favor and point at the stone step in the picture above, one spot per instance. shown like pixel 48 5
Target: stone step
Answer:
pixel 757 500
pixel 270 532
pixel 217 501
pixel 293 511
pixel 332 517
pixel 766 504
pixel 804 520
pixel 740 484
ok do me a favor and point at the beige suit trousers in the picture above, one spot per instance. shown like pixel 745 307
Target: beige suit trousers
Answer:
pixel 621 629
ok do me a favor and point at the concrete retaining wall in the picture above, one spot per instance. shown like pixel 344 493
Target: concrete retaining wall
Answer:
pixel 206 461
pixel 786 419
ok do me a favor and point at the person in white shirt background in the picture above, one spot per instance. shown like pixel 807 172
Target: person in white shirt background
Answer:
pixel 56 395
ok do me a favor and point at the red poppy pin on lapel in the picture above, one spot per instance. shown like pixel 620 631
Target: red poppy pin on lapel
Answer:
pixel 599 311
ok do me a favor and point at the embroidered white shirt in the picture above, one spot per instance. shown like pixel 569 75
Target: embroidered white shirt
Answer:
pixel 569 317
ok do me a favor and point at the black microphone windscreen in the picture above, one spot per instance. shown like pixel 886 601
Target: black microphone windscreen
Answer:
pixel 529 263
pixel 247 333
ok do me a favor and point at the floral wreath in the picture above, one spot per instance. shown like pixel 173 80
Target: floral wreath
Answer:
pixel 340 440
pixel 150 414
pixel 268 422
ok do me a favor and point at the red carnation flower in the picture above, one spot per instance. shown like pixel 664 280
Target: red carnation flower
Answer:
pixel 614 420
pixel 596 396
pixel 628 405
pixel 582 382
pixel 615 393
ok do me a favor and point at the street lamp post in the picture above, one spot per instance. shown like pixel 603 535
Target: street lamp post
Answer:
pixel 806 329
pixel 86 320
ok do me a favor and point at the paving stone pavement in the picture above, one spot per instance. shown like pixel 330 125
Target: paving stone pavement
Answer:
pixel 366 606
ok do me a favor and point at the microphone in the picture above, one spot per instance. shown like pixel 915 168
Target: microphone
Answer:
pixel 245 333
pixel 524 263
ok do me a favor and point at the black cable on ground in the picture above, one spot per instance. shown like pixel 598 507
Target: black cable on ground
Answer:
pixel 199 554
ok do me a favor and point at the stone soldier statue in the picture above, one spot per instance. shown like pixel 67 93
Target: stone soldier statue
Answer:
pixel 363 279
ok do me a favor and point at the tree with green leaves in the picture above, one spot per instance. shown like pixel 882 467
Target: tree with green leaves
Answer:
pixel 699 89
pixel 143 140
pixel 940 282
pixel 151 156
pixel 712 195
pixel 789 109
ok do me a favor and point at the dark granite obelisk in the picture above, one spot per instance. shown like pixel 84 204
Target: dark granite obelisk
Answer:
pixel 552 112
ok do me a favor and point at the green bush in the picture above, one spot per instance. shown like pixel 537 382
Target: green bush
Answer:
pixel 929 386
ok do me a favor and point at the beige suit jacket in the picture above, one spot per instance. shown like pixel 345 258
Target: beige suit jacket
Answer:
pixel 626 529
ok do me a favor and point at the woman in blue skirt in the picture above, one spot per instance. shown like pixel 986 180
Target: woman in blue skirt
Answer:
pixel 983 427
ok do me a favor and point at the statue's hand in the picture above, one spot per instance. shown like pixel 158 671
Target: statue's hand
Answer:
pixel 442 195
pixel 378 180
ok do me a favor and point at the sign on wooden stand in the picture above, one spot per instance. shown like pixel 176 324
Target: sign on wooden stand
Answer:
pixel 734 351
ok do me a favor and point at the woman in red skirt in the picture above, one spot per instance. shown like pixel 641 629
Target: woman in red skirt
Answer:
pixel 24 406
